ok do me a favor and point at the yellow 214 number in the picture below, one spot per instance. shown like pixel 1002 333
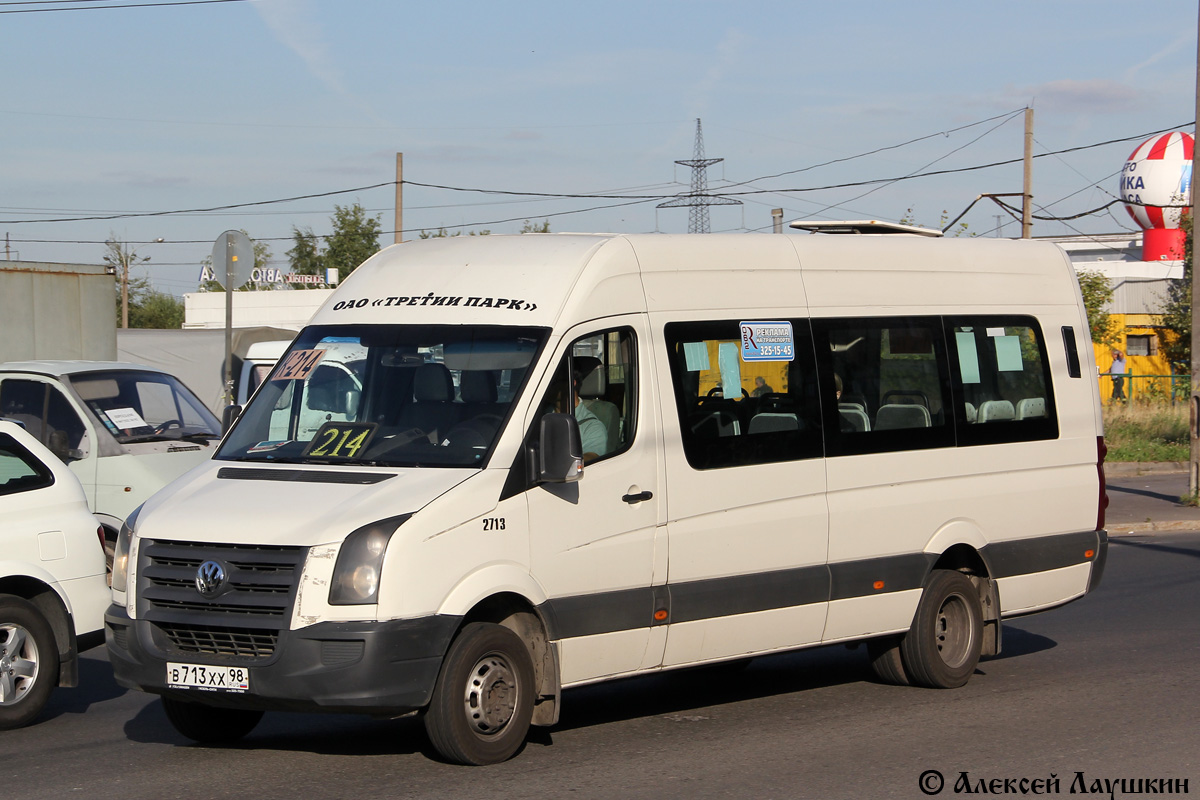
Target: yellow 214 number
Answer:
pixel 336 440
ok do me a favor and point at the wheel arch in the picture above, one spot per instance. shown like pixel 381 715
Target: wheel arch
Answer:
pixel 47 600
pixel 961 546
pixel 516 612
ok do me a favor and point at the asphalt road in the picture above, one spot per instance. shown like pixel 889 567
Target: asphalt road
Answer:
pixel 1105 687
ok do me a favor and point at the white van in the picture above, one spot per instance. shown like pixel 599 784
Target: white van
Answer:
pixel 551 460
pixel 53 585
pixel 125 430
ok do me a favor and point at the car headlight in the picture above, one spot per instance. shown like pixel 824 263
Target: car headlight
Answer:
pixel 120 567
pixel 359 564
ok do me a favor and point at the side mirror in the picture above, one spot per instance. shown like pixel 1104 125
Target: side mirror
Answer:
pixel 229 416
pixel 558 457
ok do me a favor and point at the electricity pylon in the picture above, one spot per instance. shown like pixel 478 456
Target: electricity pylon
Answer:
pixel 698 198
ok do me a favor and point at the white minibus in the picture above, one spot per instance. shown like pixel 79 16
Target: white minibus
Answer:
pixel 494 468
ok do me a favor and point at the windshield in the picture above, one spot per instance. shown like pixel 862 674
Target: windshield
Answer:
pixel 138 406
pixel 387 395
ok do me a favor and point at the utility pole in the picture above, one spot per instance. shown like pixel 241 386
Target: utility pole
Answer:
pixel 1027 192
pixel 1194 406
pixel 399 198
pixel 776 220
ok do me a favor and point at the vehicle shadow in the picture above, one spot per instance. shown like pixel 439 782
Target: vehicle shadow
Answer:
pixel 682 690
pixel 664 693
pixel 321 734
pixel 96 685
pixel 1018 642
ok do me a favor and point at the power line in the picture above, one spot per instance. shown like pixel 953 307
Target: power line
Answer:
pixel 587 196
pixel 99 7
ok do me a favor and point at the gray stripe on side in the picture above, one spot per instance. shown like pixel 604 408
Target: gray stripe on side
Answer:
pixel 604 612
pixel 691 601
pixel 898 573
pixel 1026 556
pixel 745 594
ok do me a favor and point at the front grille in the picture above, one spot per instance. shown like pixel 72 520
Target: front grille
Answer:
pixel 236 642
pixel 242 619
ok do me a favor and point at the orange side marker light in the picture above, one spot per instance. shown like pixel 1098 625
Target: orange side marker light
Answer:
pixel 878 585
pixel 1089 553
pixel 660 615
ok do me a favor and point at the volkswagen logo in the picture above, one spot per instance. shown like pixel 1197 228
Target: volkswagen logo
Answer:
pixel 210 577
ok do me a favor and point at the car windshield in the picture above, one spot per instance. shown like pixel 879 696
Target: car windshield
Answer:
pixel 143 406
pixel 387 395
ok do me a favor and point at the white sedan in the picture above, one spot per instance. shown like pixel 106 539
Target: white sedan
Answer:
pixel 53 586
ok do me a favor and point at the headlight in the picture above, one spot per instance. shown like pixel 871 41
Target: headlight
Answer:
pixel 360 562
pixel 120 567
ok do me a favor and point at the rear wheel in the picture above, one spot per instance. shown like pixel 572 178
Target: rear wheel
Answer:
pixel 483 700
pixel 28 662
pixel 941 649
pixel 209 724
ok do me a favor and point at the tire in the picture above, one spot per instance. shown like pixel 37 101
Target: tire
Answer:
pixel 483 700
pixel 886 661
pixel 28 662
pixel 209 724
pixel 941 649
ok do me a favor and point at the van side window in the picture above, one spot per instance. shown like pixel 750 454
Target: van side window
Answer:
pixel 885 383
pixel 1002 376
pixel 734 412
pixel 598 379
pixel 46 414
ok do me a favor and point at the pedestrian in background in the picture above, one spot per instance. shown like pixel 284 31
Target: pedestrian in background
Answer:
pixel 1117 371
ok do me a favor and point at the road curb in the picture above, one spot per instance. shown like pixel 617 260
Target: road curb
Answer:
pixel 1174 526
pixel 1126 469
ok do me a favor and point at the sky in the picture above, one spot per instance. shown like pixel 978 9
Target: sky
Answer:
pixel 113 120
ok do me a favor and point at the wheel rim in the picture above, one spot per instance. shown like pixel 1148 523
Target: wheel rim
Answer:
pixel 18 663
pixel 955 632
pixel 491 695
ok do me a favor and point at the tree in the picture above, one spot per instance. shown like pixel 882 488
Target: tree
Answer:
pixel 355 238
pixel 139 305
pixel 305 255
pixel 442 233
pixel 1097 293
pixel 959 230
pixel 121 258
pixel 157 310
pixel 1175 337
pixel 528 227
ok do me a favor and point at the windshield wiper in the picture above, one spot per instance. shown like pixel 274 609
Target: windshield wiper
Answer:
pixel 191 437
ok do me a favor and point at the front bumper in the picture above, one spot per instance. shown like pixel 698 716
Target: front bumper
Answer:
pixel 379 668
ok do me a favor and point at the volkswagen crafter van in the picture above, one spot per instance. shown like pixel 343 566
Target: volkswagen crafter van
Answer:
pixel 494 468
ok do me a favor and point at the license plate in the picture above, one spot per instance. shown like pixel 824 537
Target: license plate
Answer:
pixel 209 678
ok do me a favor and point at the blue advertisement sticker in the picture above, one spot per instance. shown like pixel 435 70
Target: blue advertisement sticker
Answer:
pixel 768 341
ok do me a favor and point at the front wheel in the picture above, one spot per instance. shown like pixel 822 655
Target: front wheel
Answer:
pixel 483 700
pixel 209 724
pixel 941 649
pixel 28 662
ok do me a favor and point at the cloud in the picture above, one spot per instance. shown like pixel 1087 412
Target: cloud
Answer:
pixel 1089 97
pixel 523 136
pixel 294 24
pixel 143 180
pixel 728 53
